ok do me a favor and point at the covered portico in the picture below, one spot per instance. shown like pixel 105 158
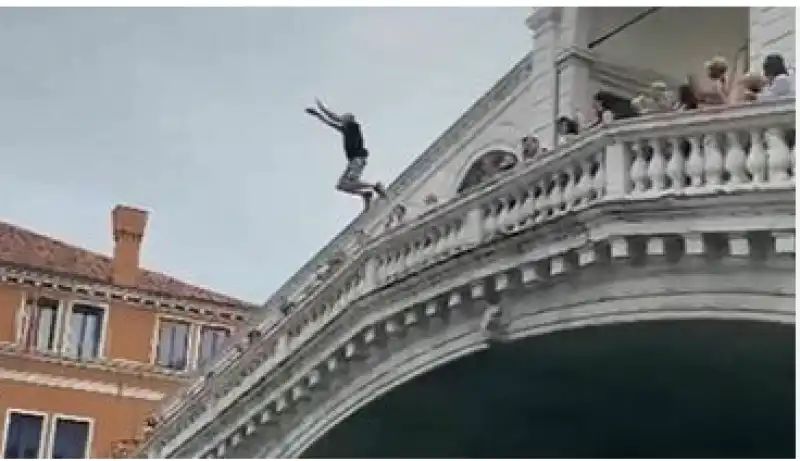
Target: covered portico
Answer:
pixel 578 51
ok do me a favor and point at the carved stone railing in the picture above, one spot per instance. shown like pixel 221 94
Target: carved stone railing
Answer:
pixel 710 152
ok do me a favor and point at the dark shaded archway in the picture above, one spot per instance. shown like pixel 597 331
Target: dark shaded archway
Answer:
pixel 655 389
pixel 487 166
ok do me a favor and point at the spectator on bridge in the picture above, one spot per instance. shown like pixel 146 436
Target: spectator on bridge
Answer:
pixel 567 130
pixel 779 83
pixel 746 89
pixel 530 147
pixel 686 99
pixel 656 99
pixel 609 107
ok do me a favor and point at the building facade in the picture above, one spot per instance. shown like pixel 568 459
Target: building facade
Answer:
pixel 89 344
pixel 672 216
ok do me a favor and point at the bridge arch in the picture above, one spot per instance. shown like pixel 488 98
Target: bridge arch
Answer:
pixel 579 301
pixel 616 391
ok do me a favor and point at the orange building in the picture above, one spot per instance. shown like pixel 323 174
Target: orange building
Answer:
pixel 89 344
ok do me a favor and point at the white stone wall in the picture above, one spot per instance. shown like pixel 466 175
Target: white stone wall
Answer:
pixel 771 31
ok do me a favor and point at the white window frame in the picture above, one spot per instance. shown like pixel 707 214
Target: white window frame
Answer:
pixel 43 436
pixel 23 322
pixel 51 432
pixel 101 347
pixel 156 341
pixel 195 359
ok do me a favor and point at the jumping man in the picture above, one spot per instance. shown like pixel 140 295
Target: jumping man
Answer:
pixel 350 182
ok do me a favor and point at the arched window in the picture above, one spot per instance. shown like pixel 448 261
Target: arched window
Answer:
pixel 487 166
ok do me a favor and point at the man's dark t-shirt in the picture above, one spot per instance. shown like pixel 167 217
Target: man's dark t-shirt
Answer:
pixel 353 141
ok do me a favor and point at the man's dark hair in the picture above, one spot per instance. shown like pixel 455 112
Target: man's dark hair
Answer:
pixel 774 66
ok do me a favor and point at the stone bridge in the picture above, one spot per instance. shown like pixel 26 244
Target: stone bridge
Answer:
pixel 657 251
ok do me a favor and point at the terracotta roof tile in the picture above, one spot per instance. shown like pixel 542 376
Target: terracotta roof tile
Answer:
pixel 24 248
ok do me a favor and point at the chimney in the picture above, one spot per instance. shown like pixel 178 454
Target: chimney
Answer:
pixel 128 225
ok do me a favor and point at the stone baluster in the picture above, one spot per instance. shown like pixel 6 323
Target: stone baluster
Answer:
pixel 503 210
pixel 370 275
pixel 599 181
pixel 438 241
pixel 570 193
pixel 528 205
pixel 541 202
pixel 515 214
pixel 405 253
pixel 676 166
pixel 391 264
pixel 694 165
pixel 778 160
pixel 638 170
pixel 414 254
pixel 735 159
pixel 473 227
pixel 556 197
pixel 616 170
pixel 583 190
pixel 656 170
pixel 380 279
pixel 713 160
pixel 449 237
pixel 757 159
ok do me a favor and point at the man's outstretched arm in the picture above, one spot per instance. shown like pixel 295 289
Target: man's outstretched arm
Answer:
pixel 336 126
pixel 329 113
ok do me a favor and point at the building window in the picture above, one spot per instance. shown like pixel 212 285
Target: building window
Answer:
pixel 85 332
pixel 41 325
pixel 212 340
pixel 173 345
pixel 70 438
pixel 23 435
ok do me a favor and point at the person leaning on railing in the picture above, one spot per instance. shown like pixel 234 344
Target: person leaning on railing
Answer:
pixel 779 84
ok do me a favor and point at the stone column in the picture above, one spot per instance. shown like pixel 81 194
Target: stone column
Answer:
pixel 561 84
pixel 543 24
pixel 573 63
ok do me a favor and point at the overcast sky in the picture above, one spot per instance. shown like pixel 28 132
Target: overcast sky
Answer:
pixel 197 116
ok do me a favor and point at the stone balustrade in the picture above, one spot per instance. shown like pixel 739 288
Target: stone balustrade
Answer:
pixel 726 150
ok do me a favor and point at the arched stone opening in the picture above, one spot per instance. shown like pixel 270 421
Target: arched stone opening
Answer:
pixel 695 388
pixel 485 167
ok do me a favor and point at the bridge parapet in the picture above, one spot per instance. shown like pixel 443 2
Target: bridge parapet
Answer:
pixel 655 188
